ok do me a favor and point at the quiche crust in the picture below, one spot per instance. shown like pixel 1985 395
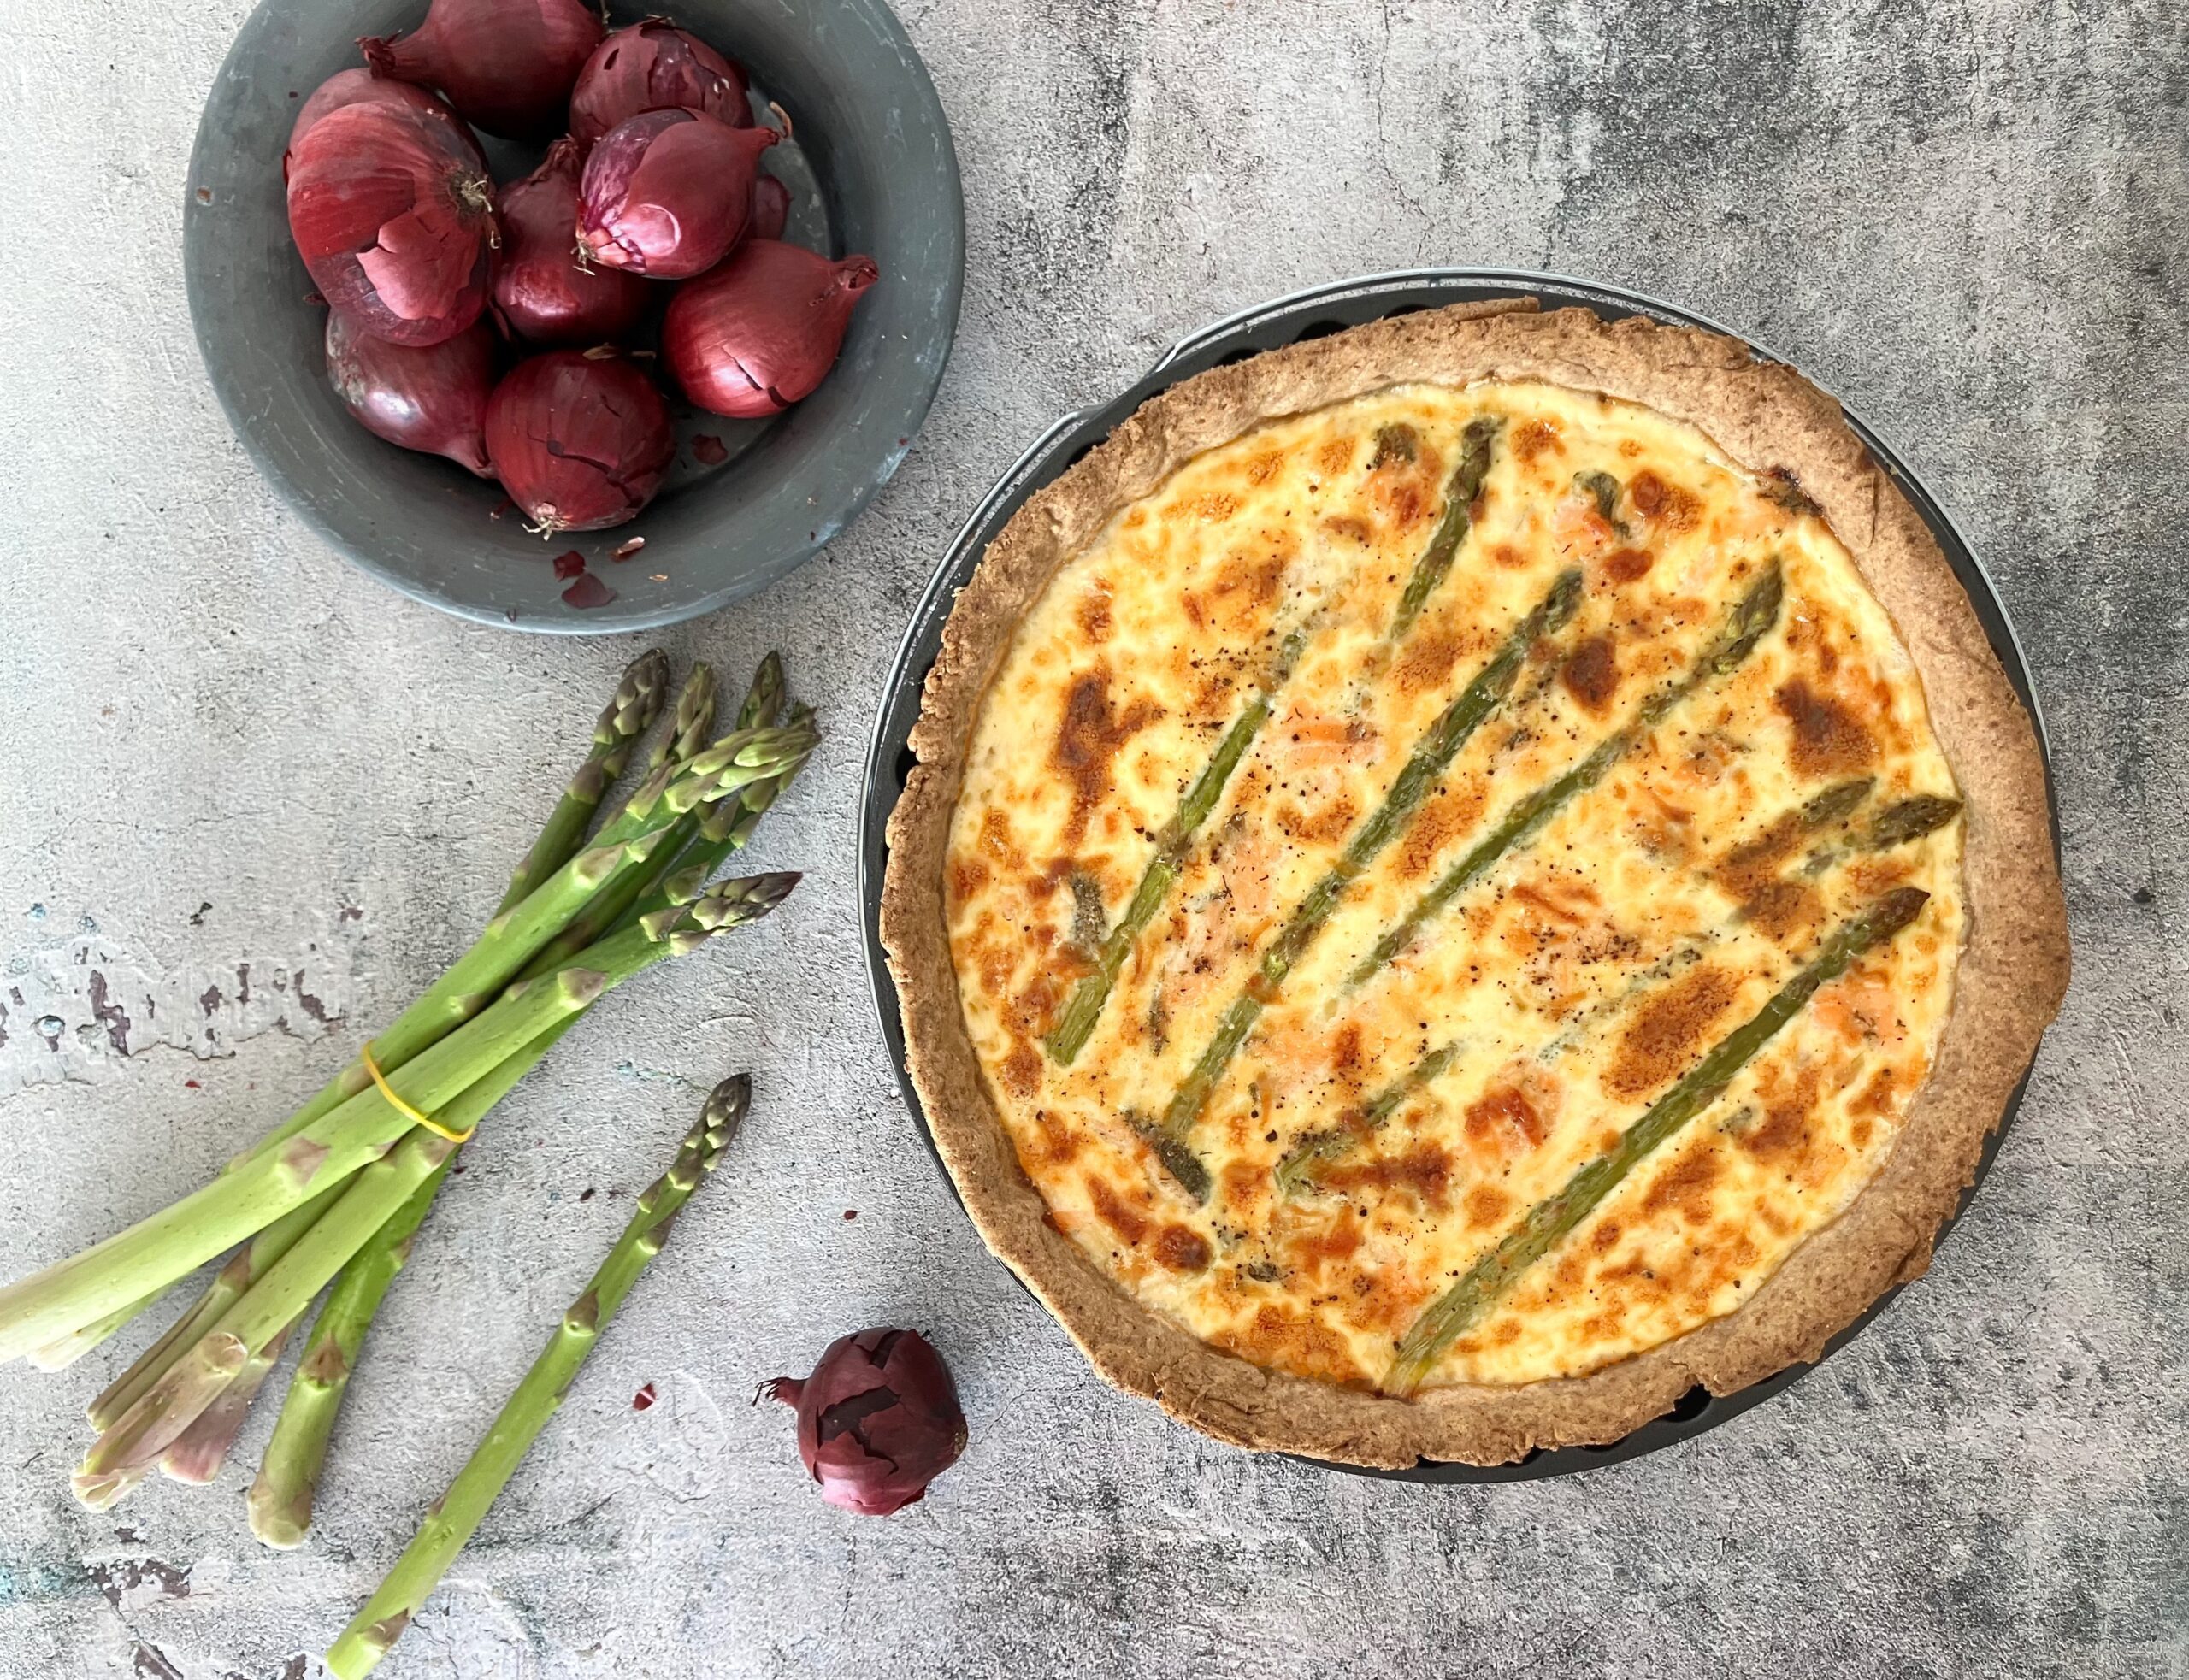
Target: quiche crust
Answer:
pixel 2012 968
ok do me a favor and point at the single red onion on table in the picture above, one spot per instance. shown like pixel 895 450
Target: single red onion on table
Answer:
pixel 433 398
pixel 540 293
pixel 877 1420
pixel 395 220
pixel 770 208
pixel 361 87
pixel 762 330
pixel 579 442
pixel 654 66
pixel 667 193
pixel 506 65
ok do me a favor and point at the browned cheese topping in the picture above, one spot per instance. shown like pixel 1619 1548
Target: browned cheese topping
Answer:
pixel 1547 1001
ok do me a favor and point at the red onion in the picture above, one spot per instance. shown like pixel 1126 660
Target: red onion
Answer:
pixel 395 221
pixel 433 399
pixel 540 291
pixel 760 331
pixel 877 1421
pixel 361 87
pixel 506 65
pixel 770 208
pixel 579 442
pixel 655 66
pixel 667 193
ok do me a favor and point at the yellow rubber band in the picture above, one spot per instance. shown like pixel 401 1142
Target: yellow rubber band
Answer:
pixel 404 1108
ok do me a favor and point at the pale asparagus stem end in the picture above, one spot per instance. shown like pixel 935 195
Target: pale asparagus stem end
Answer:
pixel 195 1456
pixel 136 1439
pixel 199 1379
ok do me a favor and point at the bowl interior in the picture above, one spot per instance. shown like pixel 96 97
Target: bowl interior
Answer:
pixel 871 169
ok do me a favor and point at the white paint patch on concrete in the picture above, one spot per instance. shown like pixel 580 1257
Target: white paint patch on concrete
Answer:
pixel 78 1008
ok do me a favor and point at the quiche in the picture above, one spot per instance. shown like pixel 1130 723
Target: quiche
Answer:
pixel 1463 878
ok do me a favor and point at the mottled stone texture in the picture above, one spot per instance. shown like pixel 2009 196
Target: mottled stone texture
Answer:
pixel 225 747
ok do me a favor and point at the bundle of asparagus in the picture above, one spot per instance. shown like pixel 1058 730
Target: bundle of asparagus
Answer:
pixel 333 1194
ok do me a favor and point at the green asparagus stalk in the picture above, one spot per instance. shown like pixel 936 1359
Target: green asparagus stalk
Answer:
pixel 1300 1164
pixel 727 830
pixel 1432 755
pixel 1075 1022
pixel 455 1516
pixel 383 1180
pixel 1908 819
pixel 1750 621
pixel 281 1498
pixel 1551 1220
pixel 1477 445
pixel 637 702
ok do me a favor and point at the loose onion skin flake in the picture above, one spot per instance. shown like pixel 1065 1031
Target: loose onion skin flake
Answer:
pixel 877 1420
pixel 395 221
pixel 361 86
pixel 667 193
pixel 432 398
pixel 540 293
pixel 579 442
pixel 654 66
pixel 760 331
pixel 507 65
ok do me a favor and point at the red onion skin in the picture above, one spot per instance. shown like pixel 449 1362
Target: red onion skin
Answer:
pixel 770 208
pixel 667 193
pixel 394 221
pixel 877 1420
pixel 540 291
pixel 506 65
pixel 360 86
pixel 579 442
pixel 654 66
pixel 433 399
pixel 762 330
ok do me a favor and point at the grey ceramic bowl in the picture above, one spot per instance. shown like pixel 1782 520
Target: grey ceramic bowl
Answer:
pixel 871 170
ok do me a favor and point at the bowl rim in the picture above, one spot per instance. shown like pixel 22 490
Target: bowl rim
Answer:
pixel 615 619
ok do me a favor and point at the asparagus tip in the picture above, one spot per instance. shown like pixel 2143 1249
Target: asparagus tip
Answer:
pixel 726 1105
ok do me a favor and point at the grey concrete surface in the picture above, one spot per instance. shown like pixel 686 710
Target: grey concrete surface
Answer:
pixel 224 748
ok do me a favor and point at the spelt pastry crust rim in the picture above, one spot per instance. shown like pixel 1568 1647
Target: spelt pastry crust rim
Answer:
pixel 2014 969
